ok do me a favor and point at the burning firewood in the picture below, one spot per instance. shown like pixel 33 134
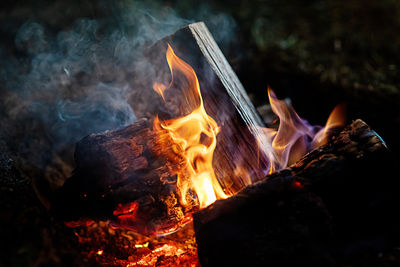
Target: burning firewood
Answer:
pixel 289 217
pixel 225 100
pixel 151 176
pixel 130 176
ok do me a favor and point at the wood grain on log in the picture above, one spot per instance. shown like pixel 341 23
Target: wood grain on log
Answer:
pixel 225 100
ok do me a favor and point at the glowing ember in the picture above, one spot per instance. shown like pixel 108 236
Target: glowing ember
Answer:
pixel 297 184
pixel 150 259
pixel 195 139
pixel 145 245
pixel 120 247
pixel 129 208
pixel 81 222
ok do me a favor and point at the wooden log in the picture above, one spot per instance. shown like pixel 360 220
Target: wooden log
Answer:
pixel 225 100
pixel 124 176
pixel 293 216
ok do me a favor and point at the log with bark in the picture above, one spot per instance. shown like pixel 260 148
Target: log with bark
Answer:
pixel 298 215
pixel 125 176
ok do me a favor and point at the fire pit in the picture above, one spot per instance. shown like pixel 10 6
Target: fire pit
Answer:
pixel 143 183
pixel 197 178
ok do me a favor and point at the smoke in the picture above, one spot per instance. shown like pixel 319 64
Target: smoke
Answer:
pixel 59 84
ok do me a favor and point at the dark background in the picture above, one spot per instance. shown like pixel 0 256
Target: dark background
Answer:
pixel 318 53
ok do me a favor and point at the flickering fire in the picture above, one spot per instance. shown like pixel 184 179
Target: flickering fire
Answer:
pixel 195 137
pixel 295 136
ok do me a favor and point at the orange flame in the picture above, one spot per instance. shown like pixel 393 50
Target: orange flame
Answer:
pixel 195 137
pixel 159 88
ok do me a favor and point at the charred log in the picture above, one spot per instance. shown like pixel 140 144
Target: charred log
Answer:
pixel 295 216
pixel 124 176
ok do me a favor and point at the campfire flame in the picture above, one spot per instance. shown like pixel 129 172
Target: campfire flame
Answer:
pixel 195 139
pixel 295 136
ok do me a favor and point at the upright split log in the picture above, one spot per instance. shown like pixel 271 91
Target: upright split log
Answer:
pixel 225 100
pixel 292 216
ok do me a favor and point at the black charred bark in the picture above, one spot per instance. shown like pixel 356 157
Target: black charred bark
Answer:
pixel 118 168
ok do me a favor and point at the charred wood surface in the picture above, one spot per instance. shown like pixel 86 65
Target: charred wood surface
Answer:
pixel 124 176
pixel 314 213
